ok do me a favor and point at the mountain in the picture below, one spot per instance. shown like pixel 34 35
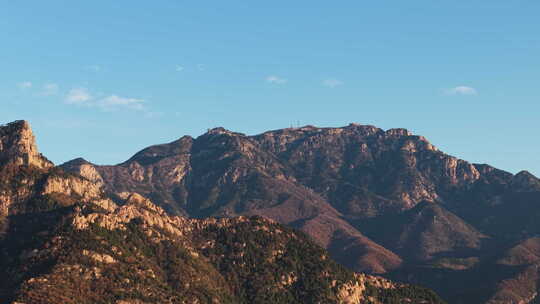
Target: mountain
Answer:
pixel 227 174
pixel 380 201
pixel 66 239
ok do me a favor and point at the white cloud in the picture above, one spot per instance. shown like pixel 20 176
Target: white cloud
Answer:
pixel 49 89
pixel 78 96
pixel 114 101
pixel 462 90
pixel 275 80
pixel 201 67
pixel 82 97
pixel 24 85
pixel 332 83
pixel 179 68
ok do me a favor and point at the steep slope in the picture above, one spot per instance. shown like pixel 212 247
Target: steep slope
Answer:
pixel 158 172
pixel 524 257
pixel 425 232
pixel 365 171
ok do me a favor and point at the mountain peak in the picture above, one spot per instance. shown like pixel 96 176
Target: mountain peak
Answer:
pixel 398 132
pixel 526 174
pixel 525 181
pixel 18 146
pixel 218 130
pixel 76 161
pixel 23 124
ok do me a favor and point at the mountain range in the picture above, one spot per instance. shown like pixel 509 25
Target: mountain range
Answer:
pixel 381 202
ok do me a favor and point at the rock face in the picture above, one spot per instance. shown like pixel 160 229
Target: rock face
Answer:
pixel 19 157
pixel 85 169
pixel 379 201
pixel 72 186
pixel 17 145
pixel 65 240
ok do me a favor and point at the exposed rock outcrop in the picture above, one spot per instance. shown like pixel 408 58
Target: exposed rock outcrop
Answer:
pixel 85 169
pixel 19 160
pixel 72 186
pixel 18 146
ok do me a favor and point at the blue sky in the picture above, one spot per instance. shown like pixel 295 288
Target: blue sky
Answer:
pixel 103 79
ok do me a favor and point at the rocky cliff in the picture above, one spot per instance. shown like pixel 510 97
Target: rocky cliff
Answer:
pixel 18 146
pixel 21 161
